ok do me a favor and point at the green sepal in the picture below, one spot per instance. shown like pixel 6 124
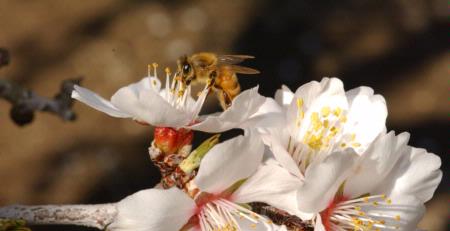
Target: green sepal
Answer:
pixel 192 162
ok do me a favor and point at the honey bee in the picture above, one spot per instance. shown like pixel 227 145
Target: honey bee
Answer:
pixel 217 70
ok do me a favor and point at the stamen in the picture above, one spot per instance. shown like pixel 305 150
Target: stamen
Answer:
pixel 155 66
pixel 149 70
pixel 220 215
pixel 349 215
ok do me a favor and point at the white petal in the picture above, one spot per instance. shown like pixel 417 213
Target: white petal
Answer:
pixel 153 210
pixel 242 108
pixel 410 211
pixel 284 96
pixel 318 226
pixel 148 105
pixel 94 100
pixel 366 116
pixel 269 115
pixel 322 180
pixel 273 185
pixel 158 112
pixel 283 157
pixel 229 162
pixel 416 174
pixel 315 96
pixel 375 164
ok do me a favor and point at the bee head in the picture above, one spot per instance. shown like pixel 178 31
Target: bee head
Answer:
pixel 185 70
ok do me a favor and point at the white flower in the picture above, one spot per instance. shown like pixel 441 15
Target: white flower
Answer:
pixel 172 106
pixel 323 131
pixel 230 174
pixel 146 101
pixel 385 190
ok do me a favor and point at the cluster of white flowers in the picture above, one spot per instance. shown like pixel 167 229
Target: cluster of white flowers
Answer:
pixel 321 154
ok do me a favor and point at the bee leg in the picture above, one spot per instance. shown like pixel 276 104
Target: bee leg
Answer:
pixel 228 99
pixel 224 99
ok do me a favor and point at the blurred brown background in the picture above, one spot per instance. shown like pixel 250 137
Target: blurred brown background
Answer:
pixel 398 47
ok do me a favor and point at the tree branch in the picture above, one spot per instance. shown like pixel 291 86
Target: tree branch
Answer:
pixel 25 102
pixel 96 216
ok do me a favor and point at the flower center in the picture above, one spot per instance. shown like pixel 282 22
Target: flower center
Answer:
pixel 361 214
pixel 177 93
pixel 217 213
pixel 321 133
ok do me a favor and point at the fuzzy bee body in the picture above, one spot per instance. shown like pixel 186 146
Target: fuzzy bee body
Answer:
pixel 217 70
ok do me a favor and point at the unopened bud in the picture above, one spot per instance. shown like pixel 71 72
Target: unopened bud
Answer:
pixel 171 140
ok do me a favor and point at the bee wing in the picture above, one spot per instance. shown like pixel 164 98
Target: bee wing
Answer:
pixel 232 59
pixel 243 70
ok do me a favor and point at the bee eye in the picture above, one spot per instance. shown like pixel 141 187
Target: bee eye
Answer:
pixel 186 69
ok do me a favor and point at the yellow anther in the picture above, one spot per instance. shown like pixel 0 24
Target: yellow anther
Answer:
pixel 357 208
pixel 383 196
pixel 375 203
pixel 397 218
pixel 333 131
pixel 180 93
pixel 167 70
pixel 325 111
pixel 253 226
pixel 299 102
pixel 361 213
pixel 315 121
pixel 269 222
pixel 343 119
pixel 382 222
pixel 155 65
pixel 389 201
pixel 154 82
pixel 149 69
pixel 366 199
pixel 337 111
pixel 315 117
pixel 343 145
pixel 301 114
pixel 315 142
pixel 353 137
pixel 326 123
pixel 357 221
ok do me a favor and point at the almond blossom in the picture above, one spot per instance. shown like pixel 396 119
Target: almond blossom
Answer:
pixel 385 190
pixel 147 101
pixel 230 175
pixel 324 131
